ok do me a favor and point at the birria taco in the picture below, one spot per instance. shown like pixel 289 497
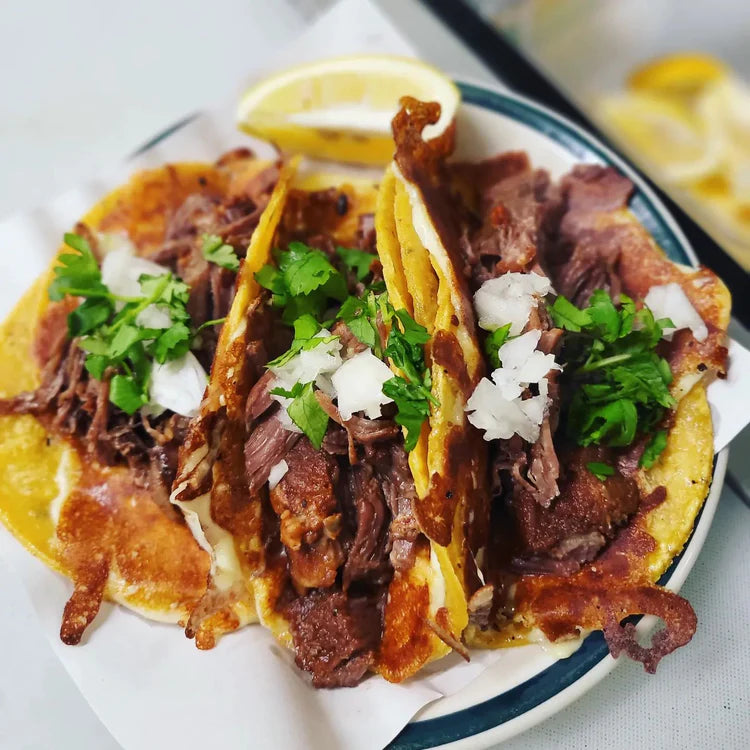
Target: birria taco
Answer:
pixel 311 448
pixel 103 363
pixel 599 350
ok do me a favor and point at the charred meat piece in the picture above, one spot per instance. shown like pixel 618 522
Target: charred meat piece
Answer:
pixel 335 636
pixel 585 514
pixel 367 559
pixel 305 501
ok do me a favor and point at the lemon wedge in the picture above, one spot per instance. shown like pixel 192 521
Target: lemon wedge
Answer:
pixel 664 135
pixel 341 109
pixel 682 75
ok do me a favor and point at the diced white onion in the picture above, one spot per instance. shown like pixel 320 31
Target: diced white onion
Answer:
pixel 509 299
pixel 501 418
pixel 178 385
pixel 121 269
pixel 524 360
pixel 670 301
pixel 277 473
pixel 359 385
pixel 496 405
pixel 307 366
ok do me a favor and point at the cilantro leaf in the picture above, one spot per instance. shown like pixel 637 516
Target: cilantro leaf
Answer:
pixel 358 262
pixel 215 250
pixel 612 423
pixel 412 408
pixel 494 341
pixel 126 394
pixel 654 449
pixel 306 329
pixel 76 272
pixel 627 314
pixel 88 316
pixel 620 384
pixel 173 343
pixel 363 329
pixel 307 413
pixel 303 283
pixel 95 365
pixel 413 332
pixel 360 316
pixel 600 470
pixel 306 270
pixel 604 315
pixel 411 393
pixel 566 315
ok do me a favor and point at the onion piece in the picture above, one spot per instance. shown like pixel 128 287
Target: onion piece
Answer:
pixel 277 473
pixel 121 269
pixel 177 385
pixel 670 301
pixel 509 299
pixel 359 385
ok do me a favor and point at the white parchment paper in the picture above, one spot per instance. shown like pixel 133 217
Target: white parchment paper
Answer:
pixel 148 684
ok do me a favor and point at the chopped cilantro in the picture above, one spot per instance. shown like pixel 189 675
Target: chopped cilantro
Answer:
pixel 126 393
pixel 361 317
pixel 405 348
pixel 620 385
pixel 600 471
pixel 215 250
pixel 413 407
pixel 494 341
pixel 77 272
pixel 306 329
pixel 566 315
pixel 303 282
pixel 305 411
pixel 654 448
pixel 358 262
pixel 410 392
pixel 114 340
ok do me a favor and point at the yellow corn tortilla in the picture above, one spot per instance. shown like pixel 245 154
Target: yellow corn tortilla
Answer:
pixel 155 565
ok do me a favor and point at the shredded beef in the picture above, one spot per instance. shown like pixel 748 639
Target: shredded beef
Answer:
pixel 579 255
pixel 335 636
pixel 76 405
pixel 267 444
pixel 579 521
pixel 367 558
pixel 511 211
pixel 401 494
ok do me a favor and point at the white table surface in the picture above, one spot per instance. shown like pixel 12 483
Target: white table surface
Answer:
pixel 85 82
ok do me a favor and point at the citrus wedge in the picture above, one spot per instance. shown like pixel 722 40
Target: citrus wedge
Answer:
pixel 341 108
pixel 666 136
pixel 682 75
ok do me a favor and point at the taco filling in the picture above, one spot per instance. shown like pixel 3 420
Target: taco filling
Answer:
pixel 332 398
pixel 588 330
pixel 136 300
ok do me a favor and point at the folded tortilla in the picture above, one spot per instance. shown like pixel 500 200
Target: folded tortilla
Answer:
pixel 336 633
pixel 583 233
pixel 105 525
